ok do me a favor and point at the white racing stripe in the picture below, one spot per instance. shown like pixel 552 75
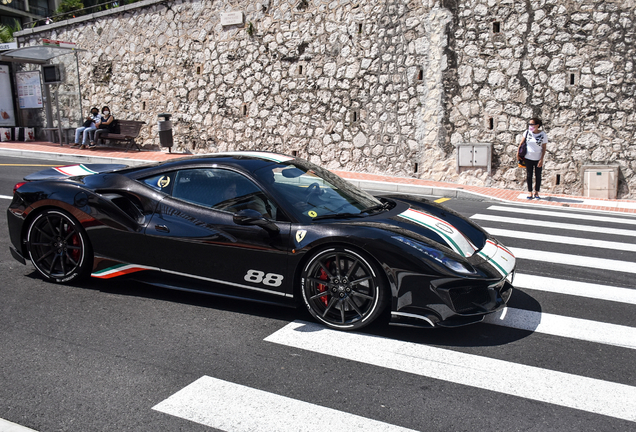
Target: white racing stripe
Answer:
pixel 574 260
pixel 574 241
pixel 573 328
pixel 564 214
pixel 235 408
pixel 563 389
pixel 529 223
pixel 5 197
pixel 581 289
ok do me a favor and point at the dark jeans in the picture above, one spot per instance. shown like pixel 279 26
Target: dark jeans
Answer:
pixel 532 166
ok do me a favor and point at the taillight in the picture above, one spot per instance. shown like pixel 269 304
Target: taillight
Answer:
pixel 18 186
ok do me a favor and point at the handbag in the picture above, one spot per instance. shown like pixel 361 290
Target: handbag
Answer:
pixel 88 123
pixel 523 148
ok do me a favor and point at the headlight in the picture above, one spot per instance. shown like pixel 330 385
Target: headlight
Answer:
pixel 439 256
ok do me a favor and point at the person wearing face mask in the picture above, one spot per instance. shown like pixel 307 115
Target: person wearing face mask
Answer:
pixel 104 125
pixel 536 141
pixel 87 129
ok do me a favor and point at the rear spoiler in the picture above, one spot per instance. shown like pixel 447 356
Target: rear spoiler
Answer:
pixel 66 171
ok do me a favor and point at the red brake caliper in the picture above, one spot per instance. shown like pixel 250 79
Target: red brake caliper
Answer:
pixel 323 288
pixel 74 241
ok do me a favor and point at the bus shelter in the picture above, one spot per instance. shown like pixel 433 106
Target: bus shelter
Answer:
pixel 45 90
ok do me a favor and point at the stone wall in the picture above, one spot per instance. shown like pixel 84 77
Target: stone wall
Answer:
pixel 374 86
pixel 570 63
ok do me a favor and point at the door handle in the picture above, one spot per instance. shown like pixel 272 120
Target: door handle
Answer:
pixel 162 228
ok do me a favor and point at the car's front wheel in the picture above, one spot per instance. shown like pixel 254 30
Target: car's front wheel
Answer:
pixel 343 289
pixel 58 247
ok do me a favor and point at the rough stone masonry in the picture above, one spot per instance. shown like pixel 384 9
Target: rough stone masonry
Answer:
pixel 378 86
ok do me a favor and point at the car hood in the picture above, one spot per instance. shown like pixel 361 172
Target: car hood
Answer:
pixel 62 172
pixel 430 223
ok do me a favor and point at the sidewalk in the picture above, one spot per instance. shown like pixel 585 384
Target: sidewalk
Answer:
pixel 64 154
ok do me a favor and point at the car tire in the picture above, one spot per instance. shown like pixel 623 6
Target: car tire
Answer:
pixel 343 289
pixel 59 247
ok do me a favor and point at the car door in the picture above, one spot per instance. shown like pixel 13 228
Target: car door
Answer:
pixel 193 235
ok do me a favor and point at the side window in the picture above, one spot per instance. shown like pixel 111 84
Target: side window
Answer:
pixel 161 182
pixel 222 190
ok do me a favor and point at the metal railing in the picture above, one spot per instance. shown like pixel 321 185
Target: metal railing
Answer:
pixel 49 19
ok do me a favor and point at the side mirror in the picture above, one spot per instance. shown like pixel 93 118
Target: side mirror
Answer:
pixel 252 217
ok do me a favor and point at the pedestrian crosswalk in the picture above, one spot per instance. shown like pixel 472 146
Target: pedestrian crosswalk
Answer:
pixel 559 242
pixel 568 390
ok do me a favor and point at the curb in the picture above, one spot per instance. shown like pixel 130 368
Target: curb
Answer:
pixel 64 157
pixel 374 185
pixel 458 191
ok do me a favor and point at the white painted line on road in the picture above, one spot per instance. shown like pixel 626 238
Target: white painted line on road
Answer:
pixel 564 214
pixel 547 224
pixel 5 197
pixel 7 426
pixel 574 241
pixel 574 260
pixel 576 200
pixel 573 328
pixel 544 385
pixel 581 289
pixel 235 408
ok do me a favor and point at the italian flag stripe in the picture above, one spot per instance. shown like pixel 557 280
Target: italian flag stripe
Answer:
pixel 119 270
pixel 499 257
pixel 454 238
pixel 74 170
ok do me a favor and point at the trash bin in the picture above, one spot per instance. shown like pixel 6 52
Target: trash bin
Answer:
pixel 165 131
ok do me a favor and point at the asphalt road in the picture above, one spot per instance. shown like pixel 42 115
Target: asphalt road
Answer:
pixel 101 355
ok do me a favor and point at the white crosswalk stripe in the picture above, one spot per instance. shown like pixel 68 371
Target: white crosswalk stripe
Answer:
pixel 574 260
pixel 573 288
pixel 572 241
pixel 568 390
pixel 215 403
pixel 575 328
pixel 5 197
pixel 564 214
pixel 534 223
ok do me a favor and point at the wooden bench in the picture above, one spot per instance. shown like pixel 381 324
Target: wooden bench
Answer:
pixel 128 131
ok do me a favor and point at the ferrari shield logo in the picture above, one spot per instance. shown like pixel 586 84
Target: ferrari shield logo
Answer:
pixel 300 235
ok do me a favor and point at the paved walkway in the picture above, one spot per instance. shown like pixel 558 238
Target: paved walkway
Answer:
pixel 55 152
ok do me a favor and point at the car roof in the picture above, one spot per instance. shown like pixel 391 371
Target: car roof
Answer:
pixel 248 161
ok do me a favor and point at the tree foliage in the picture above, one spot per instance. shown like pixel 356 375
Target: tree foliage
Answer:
pixel 6 31
pixel 69 9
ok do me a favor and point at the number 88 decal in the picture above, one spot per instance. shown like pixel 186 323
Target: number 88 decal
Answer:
pixel 269 279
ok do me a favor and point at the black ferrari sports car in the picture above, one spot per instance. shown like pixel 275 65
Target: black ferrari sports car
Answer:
pixel 264 227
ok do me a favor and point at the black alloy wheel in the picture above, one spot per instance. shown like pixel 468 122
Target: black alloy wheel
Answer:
pixel 342 289
pixel 58 247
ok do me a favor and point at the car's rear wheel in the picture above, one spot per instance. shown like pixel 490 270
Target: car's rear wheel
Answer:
pixel 58 247
pixel 343 289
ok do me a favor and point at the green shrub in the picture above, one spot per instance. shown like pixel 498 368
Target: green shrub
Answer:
pixel 69 9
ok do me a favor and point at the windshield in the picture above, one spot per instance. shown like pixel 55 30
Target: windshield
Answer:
pixel 311 192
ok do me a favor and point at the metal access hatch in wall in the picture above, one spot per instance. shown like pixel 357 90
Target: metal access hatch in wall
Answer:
pixel 600 181
pixel 474 155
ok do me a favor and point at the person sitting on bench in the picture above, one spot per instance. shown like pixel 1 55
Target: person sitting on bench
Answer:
pixel 87 129
pixel 103 126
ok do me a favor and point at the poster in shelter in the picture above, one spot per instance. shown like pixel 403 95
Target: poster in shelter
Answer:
pixel 29 89
pixel 7 113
